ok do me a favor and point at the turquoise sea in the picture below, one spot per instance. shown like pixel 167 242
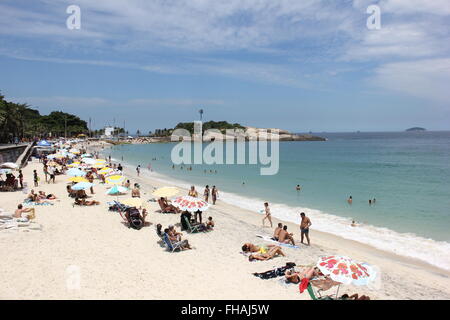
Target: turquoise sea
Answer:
pixel 407 172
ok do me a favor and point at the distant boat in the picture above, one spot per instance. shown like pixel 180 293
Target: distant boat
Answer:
pixel 416 129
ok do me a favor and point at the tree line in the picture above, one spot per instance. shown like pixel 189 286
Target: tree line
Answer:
pixel 19 121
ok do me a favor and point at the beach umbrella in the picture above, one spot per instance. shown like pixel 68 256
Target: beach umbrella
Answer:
pixel 82 186
pixel 191 204
pixel 346 270
pixel 74 172
pixel 5 171
pixel 115 179
pixel 100 160
pixel 132 202
pixel 52 164
pixel 89 161
pixel 8 165
pixel 104 170
pixel 116 190
pixel 44 143
pixel 98 165
pixel 165 192
pixel 78 179
pixel 73 150
pixel 86 155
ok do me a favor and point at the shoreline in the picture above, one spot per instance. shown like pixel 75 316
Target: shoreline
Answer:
pixel 319 238
pixel 404 240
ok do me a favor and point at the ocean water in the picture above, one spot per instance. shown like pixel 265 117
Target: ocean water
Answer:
pixel 408 173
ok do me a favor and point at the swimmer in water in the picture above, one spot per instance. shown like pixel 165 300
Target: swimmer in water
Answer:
pixel 350 200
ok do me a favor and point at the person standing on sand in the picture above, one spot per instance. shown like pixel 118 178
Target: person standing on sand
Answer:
pixel 268 215
pixel 304 227
pixel 138 170
pixel 21 179
pixel 214 194
pixel 193 192
pixel 35 178
pixel 350 200
pixel 206 193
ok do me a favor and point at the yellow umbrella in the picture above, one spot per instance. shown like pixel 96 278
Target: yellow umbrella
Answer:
pixel 132 202
pixel 52 164
pixel 104 170
pixel 115 179
pixel 100 160
pixel 78 179
pixel 165 192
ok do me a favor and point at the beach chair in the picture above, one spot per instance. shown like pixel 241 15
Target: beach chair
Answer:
pixel 172 247
pixel 192 228
pixel 318 296
pixel 162 208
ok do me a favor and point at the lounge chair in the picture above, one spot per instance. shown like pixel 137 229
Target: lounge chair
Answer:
pixel 318 296
pixel 192 228
pixel 171 246
pixel 163 210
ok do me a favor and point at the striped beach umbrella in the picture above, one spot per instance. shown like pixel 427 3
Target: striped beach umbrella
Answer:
pixel 115 179
pixel 191 204
pixel 78 179
pixel 105 170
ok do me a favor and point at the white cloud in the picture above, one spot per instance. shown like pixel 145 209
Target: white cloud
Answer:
pixel 428 79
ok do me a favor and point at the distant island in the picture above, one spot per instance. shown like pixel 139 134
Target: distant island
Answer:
pixel 416 129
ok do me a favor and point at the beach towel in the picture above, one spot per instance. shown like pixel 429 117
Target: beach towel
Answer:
pixel 278 272
pixel 269 239
pixel 303 285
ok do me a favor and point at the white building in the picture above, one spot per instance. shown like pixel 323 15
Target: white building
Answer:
pixel 109 131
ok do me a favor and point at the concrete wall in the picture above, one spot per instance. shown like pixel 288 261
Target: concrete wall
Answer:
pixel 11 153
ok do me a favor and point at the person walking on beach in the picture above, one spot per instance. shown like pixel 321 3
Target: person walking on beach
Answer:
pixel 45 171
pixel 214 194
pixel 35 178
pixel 304 227
pixel 268 215
pixel 350 200
pixel 206 193
pixel 51 173
pixel 138 170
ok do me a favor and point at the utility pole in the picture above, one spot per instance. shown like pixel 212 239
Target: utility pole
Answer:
pixel 90 128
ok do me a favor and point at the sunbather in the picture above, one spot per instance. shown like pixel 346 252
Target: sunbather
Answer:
pixel 273 252
pixel 84 202
pixel 354 297
pixel 174 233
pixel 250 247
pixel 166 207
pixel 297 277
pixel 210 223
pixel 183 244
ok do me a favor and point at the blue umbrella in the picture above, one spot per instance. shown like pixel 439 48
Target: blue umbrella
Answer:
pixel 117 189
pixel 82 186
pixel 74 172
pixel 44 143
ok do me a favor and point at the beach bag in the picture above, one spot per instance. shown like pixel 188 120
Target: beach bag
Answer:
pixel 135 219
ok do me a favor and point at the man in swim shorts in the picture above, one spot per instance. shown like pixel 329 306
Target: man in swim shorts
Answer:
pixel 304 227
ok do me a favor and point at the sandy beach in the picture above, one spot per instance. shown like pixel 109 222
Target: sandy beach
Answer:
pixel 115 262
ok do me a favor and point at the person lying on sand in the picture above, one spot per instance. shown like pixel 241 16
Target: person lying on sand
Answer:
pixel 297 277
pixel 184 244
pixel 84 202
pixel 44 196
pixel 250 247
pixel 273 252
pixel 21 212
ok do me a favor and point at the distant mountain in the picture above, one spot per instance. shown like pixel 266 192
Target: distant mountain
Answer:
pixel 416 129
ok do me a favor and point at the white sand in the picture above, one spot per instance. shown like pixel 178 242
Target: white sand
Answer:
pixel 120 263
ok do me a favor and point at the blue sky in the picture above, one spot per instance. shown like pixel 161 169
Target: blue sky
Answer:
pixel 297 65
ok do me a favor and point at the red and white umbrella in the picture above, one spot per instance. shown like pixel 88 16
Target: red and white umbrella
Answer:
pixel 346 270
pixel 191 204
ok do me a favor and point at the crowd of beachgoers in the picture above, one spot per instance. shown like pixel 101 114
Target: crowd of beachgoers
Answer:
pixel 176 215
